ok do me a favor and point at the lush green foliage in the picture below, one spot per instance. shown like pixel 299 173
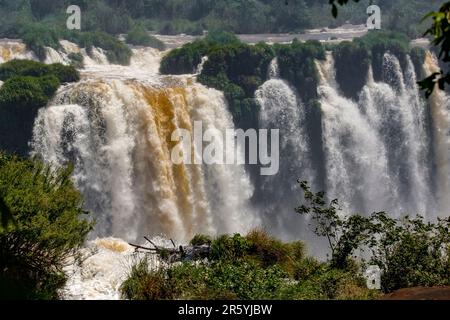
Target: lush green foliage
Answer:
pixel 36 69
pixel 256 266
pixel 30 84
pixel 138 36
pixel 409 251
pixel 45 229
pixel 186 59
pixel 238 70
pixel 297 65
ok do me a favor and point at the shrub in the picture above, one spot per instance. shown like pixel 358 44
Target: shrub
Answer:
pixel 77 60
pixel 256 266
pixel 409 251
pixel 47 227
pixel 144 284
pixel 138 36
pixel 201 239
pixel 36 69
pixel 27 92
pixel 352 65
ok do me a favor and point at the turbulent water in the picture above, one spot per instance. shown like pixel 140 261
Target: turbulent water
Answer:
pixel 387 150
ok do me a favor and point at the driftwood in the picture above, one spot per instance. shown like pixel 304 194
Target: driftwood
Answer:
pixel 180 253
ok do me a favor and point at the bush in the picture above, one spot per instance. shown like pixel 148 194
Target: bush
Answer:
pixel 201 239
pixel 143 284
pixel 296 62
pixel 47 228
pixel 352 65
pixel 77 60
pixel 138 36
pixel 27 92
pixel 409 251
pixel 29 86
pixel 36 69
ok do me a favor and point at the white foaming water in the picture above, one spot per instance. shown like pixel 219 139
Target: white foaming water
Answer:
pixel 199 69
pixel 105 264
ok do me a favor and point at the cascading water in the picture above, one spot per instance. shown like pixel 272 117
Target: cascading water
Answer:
pixel 398 114
pixel 13 49
pixel 355 156
pixel 282 109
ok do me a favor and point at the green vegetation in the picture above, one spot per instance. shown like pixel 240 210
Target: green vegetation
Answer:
pixel 45 227
pixel 15 68
pixel 410 251
pixel 138 36
pixel 28 86
pixel 256 266
pixel 296 62
pixel 26 92
pixel 353 59
pixel 43 22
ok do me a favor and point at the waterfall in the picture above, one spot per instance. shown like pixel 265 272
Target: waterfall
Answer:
pixel 282 109
pixel 379 148
pixel 355 156
pixel 398 114
pixel 117 133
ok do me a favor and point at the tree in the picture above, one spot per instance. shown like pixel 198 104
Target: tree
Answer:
pixel 344 234
pixel 48 226
pixel 410 251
